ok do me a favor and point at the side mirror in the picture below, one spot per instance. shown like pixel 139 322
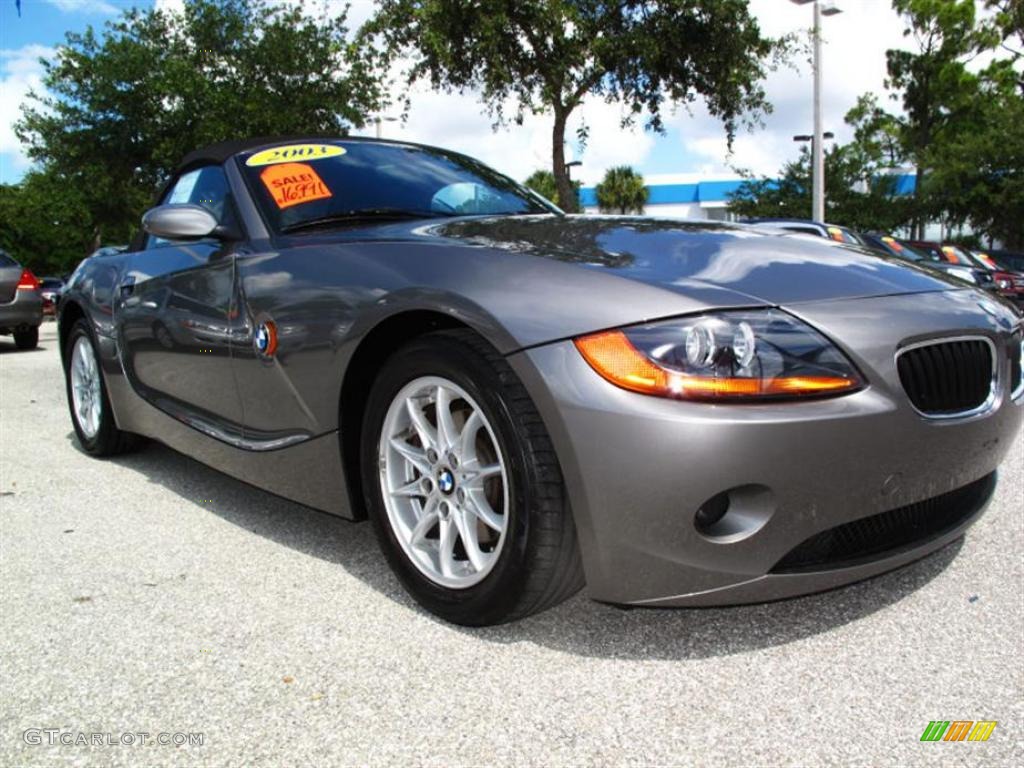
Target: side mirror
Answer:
pixel 180 222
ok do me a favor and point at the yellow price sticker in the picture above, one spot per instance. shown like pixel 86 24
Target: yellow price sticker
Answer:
pixel 292 152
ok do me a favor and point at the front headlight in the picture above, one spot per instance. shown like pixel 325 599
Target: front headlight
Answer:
pixel 744 355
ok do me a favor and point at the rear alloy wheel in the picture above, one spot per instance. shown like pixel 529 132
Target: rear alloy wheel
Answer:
pixel 87 397
pixel 27 339
pixel 462 484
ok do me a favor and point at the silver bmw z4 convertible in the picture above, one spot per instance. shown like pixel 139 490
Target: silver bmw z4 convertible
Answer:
pixel 525 402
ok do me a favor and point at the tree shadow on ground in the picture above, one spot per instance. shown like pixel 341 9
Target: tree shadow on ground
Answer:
pixel 579 626
pixel 7 346
pixel 7 342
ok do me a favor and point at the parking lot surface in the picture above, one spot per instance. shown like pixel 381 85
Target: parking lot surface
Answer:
pixel 150 594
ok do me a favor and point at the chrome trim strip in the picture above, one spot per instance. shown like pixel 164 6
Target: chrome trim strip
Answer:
pixel 1018 393
pixel 993 388
pixel 224 433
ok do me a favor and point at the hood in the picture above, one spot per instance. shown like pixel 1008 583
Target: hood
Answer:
pixel 768 267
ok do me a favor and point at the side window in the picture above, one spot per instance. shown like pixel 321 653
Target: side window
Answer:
pixel 467 198
pixel 206 186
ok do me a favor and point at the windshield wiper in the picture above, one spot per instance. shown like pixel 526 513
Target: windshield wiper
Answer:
pixel 363 214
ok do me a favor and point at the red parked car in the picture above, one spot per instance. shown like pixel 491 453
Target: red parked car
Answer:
pixel 1009 282
pixel 50 288
pixel 955 255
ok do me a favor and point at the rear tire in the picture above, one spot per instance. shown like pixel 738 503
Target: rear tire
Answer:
pixel 534 563
pixel 27 339
pixel 91 414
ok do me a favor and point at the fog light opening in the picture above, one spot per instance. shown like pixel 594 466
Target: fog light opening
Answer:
pixel 734 514
pixel 710 512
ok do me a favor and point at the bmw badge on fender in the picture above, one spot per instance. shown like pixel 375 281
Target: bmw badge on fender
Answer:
pixel 525 403
pixel 265 339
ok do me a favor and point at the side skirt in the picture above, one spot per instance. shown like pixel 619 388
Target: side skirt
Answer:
pixel 309 472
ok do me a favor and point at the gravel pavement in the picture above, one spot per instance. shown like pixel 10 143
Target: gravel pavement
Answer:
pixel 150 594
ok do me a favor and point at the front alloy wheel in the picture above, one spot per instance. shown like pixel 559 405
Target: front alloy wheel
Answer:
pixel 463 486
pixel 444 482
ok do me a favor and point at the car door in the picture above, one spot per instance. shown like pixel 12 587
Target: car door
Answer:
pixel 176 313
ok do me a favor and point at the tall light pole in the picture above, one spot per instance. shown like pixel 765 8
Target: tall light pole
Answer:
pixel 817 146
pixel 805 137
pixel 379 119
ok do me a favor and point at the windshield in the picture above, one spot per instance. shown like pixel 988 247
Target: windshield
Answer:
pixel 902 250
pixel 956 255
pixel 841 235
pixel 984 261
pixel 341 180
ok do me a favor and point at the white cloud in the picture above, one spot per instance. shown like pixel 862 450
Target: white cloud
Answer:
pixel 174 6
pixel 853 63
pixel 85 6
pixel 20 72
pixel 608 143
pixel 459 122
pixel 359 10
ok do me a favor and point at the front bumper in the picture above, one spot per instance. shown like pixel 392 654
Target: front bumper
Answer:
pixel 23 311
pixel 637 468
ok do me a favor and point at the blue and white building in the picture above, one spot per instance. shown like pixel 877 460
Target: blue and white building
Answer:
pixel 680 195
pixel 695 196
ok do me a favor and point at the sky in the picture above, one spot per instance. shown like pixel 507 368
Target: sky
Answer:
pixel 853 63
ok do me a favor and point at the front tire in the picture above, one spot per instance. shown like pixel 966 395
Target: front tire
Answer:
pixel 91 414
pixel 462 484
pixel 27 339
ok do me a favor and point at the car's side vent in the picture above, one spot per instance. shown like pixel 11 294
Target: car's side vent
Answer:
pixel 948 377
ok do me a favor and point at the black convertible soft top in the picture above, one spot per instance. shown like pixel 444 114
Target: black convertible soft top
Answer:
pixel 222 150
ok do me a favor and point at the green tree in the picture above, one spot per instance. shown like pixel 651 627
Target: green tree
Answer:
pixel 878 133
pixel 622 191
pixel 977 175
pixel 548 55
pixel 543 183
pixel 935 85
pixel 46 223
pixel 122 107
pixel 860 193
pixel 1004 29
pixel 959 127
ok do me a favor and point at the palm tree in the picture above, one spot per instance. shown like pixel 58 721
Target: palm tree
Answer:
pixel 543 183
pixel 621 191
